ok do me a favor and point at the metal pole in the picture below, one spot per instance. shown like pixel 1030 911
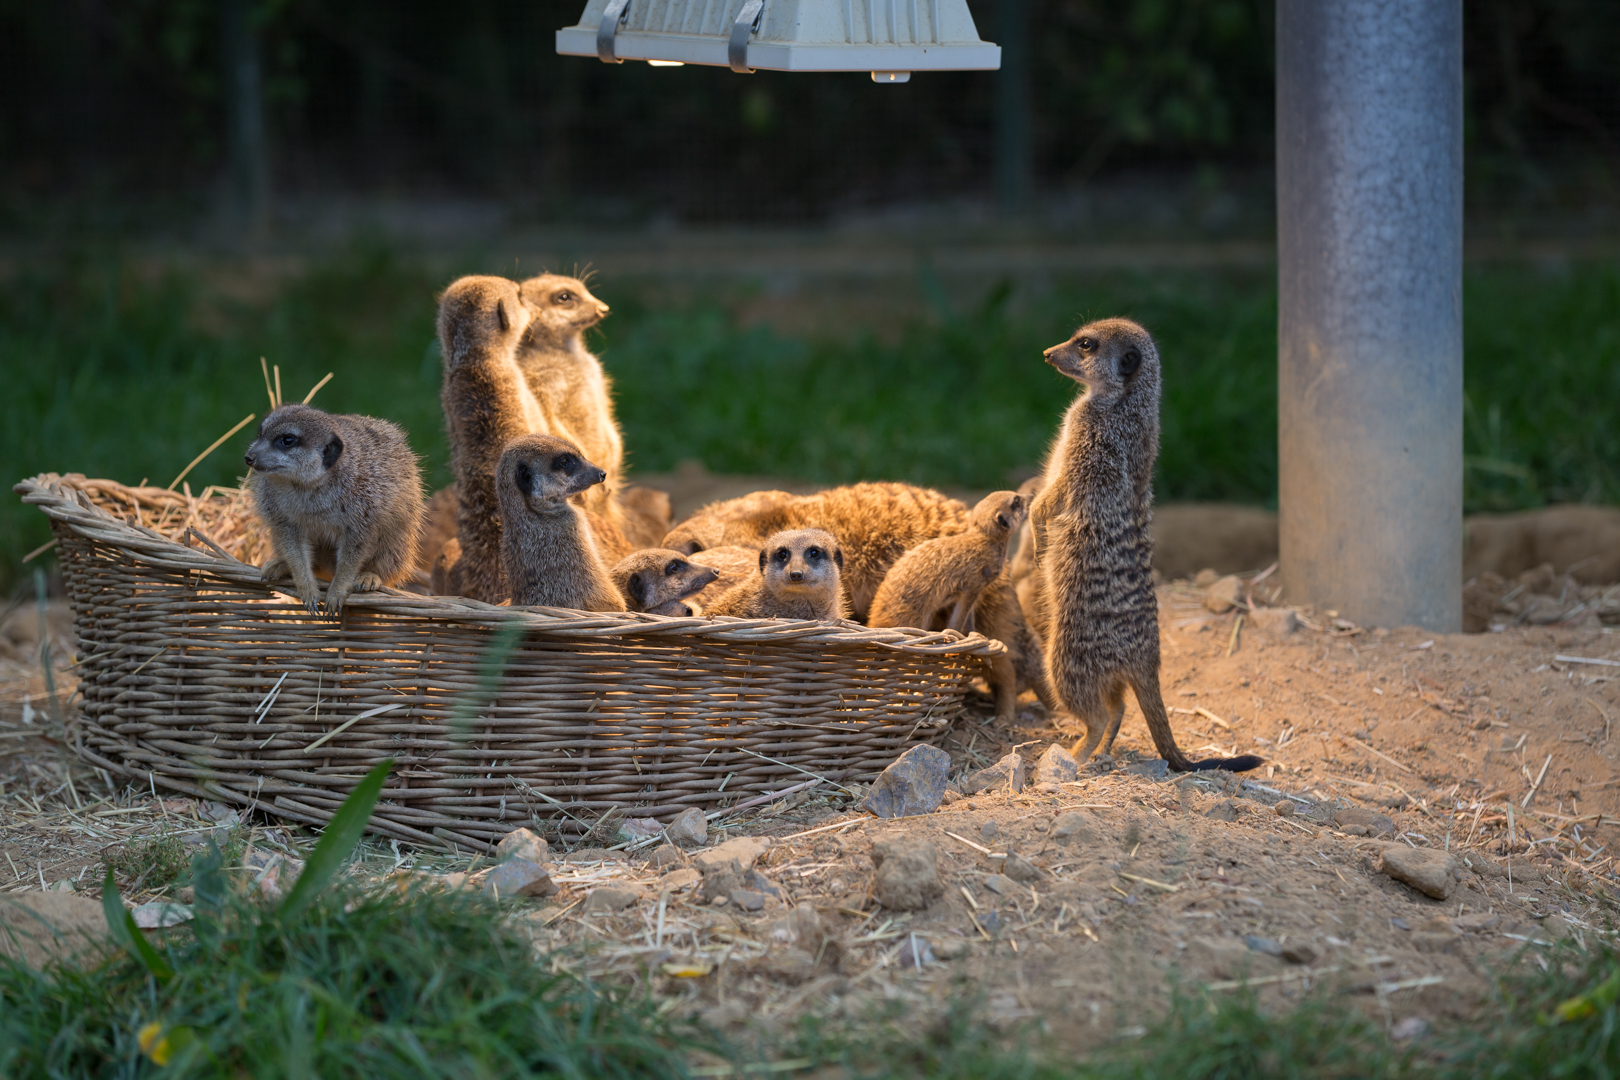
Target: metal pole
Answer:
pixel 1015 149
pixel 1369 238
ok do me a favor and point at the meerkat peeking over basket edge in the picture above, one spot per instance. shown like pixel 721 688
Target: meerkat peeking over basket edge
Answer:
pixel 340 494
pixel 552 558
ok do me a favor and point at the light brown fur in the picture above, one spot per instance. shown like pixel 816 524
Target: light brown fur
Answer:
pixel 487 404
pixel 550 554
pixel 937 583
pixel 998 616
pixel 659 581
pixel 733 563
pixel 1093 600
pixel 798 578
pixel 339 494
pixel 875 524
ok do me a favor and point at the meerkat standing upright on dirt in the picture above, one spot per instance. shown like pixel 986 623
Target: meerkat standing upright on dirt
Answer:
pixel 551 557
pixel 341 494
pixel 1095 608
pixel 798 578
pixel 940 580
pixel 487 404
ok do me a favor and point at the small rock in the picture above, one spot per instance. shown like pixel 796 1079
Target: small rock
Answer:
pixel 1153 768
pixel 676 880
pixel 1205 578
pixel 989 830
pixel 914 783
pixel 220 814
pixel 763 885
pixel 1225 810
pixel 524 844
pixel 1300 952
pixel 1278 622
pixel 1476 922
pixel 720 901
pixel 802 927
pixel 159 914
pixel 1374 823
pixel 720 879
pixel 1429 941
pixel 1555 926
pixel 1433 873
pixel 518 876
pixel 689 829
pixel 1001 885
pixel 609 898
pixel 1284 808
pixel 1225 594
pixel 951 796
pixel 748 899
pixel 916 952
pixel 665 856
pixel 952 948
pixel 1225 958
pixel 641 828
pixel 907 876
pixel 1021 869
pixel 273 873
pixel 790 965
pixel 1073 826
pixel 1390 802
pixel 1262 945
pixel 1006 775
pixel 1413 1027
pixel 988 921
pixel 743 851
pixel 1056 766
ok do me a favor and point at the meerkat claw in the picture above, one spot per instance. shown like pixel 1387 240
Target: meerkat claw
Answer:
pixel 366 583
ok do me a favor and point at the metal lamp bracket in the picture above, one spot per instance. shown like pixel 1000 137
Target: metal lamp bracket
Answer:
pixel 612 18
pixel 744 28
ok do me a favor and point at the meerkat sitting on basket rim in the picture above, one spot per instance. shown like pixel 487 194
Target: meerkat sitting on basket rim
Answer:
pixel 658 581
pixel 800 577
pixel 340 494
pixel 551 556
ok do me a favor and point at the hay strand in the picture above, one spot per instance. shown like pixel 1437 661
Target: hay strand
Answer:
pixel 215 445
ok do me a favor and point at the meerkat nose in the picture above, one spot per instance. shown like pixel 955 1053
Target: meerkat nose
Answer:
pixel 249 459
pixel 796 575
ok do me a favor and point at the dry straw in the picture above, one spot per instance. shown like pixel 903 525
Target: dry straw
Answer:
pixel 200 678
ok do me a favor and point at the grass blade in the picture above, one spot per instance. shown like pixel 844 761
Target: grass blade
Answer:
pixel 337 841
pixel 128 935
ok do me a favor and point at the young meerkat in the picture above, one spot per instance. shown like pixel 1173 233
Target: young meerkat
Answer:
pixel 487 404
pixel 340 494
pixel 798 578
pixel 875 524
pixel 551 557
pixel 940 580
pixel 1093 543
pixel 658 581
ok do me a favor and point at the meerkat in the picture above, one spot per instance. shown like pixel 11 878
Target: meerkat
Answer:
pixel 658 581
pixel 340 494
pixel 997 615
pixel 939 581
pixel 798 578
pixel 1093 544
pixel 875 523
pixel 550 554
pixel 487 404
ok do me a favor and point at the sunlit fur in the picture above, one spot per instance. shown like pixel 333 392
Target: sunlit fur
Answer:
pixel 658 581
pixel 799 572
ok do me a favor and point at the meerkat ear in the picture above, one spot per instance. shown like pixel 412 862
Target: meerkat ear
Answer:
pixel 500 312
pixel 762 557
pixel 1130 362
pixel 636 586
pixel 332 452
pixel 838 557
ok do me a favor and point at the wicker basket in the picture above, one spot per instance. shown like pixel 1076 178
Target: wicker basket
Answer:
pixel 198 676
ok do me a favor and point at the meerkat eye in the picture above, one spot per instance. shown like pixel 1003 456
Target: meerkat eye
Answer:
pixel 564 463
pixel 672 569
pixel 564 297
pixel 1086 344
pixel 1130 362
pixel 289 441
pixel 783 555
pixel 812 554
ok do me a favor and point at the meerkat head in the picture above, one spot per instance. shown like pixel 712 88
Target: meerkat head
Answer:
pixel 658 576
pixel 562 308
pixel 296 445
pixel 801 561
pixel 1000 513
pixel 1109 356
pixel 542 471
pixel 480 310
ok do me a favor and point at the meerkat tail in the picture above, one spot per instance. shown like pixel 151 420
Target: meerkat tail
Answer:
pixel 1164 739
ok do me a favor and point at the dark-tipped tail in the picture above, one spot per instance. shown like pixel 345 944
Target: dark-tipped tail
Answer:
pixel 1241 763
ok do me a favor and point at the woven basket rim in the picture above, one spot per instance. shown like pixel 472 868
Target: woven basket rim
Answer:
pixel 67 500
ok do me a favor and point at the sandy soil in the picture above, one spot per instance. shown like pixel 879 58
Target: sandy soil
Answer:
pixel 1487 744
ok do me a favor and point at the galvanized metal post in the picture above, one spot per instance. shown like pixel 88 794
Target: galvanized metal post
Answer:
pixel 1369 236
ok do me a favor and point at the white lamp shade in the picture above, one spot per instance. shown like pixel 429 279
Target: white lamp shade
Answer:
pixel 791 35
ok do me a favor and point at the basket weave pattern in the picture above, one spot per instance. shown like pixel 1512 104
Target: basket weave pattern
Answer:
pixel 199 676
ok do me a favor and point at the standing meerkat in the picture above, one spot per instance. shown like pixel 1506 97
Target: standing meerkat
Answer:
pixel 798 578
pixel 940 580
pixel 340 494
pixel 487 404
pixel 657 581
pixel 875 524
pixel 1094 603
pixel 551 557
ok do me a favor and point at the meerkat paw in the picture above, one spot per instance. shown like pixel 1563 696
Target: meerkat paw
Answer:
pixel 366 583
pixel 312 603
pixel 275 569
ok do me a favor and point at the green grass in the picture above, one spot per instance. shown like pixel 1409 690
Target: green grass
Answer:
pixel 127 368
